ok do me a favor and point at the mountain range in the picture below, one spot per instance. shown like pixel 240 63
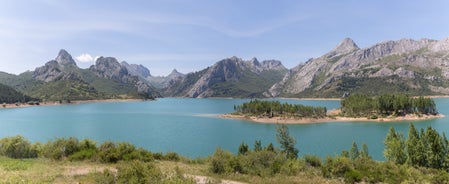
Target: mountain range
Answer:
pixel 415 67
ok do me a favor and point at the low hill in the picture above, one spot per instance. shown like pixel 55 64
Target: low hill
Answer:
pixel 10 95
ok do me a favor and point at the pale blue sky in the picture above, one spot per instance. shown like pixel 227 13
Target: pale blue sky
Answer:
pixel 190 35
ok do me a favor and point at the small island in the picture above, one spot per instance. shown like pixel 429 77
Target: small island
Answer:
pixel 384 108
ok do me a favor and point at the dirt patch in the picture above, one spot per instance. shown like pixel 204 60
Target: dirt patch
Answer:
pixel 84 170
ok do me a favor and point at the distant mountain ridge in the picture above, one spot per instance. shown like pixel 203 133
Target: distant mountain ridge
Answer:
pixel 415 67
pixel 231 77
pixel 61 79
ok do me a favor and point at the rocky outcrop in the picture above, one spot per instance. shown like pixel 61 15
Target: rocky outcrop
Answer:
pixel 136 70
pixel 56 69
pixel 406 58
pixel 110 68
pixel 163 81
pixel 230 77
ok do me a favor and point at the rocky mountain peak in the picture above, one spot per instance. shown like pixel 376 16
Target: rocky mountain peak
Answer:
pixel 110 68
pixel 174 74
pixel 442 45
pixel 345 46
pixel 136 70
pixel 64 58
pixel 56 69
pixel 273 65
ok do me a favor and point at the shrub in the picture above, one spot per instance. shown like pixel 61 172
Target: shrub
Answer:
pixel 86 154
pixel 17 147
pixel 336 167
pixel 108 152
pixel 313 160
pixel 172 156
pixel 292 167
pixel 61 148
pixel 220 162
pixel 263 163
pixel 138 172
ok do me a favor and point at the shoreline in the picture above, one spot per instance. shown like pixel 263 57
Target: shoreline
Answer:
pixel 56 103
pixel 282 120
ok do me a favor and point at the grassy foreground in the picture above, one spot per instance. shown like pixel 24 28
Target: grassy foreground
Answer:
pixel 38 170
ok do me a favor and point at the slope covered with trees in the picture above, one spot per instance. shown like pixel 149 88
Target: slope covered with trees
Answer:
pixel 9 95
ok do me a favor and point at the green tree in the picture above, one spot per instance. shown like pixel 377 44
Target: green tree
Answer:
pixel 270 147
pixel 243 148
pixel 434 149
pixel 354 154
pixel 258 145
pixel 415 156
pixel 286 141
pixel 364 152
pixel 395 147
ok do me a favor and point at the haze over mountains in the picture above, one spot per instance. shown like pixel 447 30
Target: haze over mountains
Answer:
pixel 416 67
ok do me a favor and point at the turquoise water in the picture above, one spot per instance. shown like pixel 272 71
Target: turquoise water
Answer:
pixel 191 126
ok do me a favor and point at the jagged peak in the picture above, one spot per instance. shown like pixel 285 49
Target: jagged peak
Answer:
pixel 345 46
pixel 175 73
pixel 64 58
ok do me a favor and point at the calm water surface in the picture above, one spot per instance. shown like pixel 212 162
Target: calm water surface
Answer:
pixel 191 126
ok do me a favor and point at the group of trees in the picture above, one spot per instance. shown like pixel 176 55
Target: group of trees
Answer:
pixel 424 148
pixel 261 161
pixel 359 105
pixel 276 108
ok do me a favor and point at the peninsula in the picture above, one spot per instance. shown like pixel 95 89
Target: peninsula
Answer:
pixel 384 108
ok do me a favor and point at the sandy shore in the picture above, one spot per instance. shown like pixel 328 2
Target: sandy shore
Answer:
pixel 283 120
pixel 53 103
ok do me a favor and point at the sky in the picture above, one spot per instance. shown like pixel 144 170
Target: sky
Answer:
pixel 189 35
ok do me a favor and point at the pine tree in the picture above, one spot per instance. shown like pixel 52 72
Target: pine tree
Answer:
pixel 414 154
pixel 258 146
pixel 395 147
pixel 286 141
pixel 354 154
pixel 364 152
pixel 243 148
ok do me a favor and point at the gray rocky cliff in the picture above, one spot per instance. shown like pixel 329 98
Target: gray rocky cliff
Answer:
pixel 59 68
pixel 405 58
pixel 136 70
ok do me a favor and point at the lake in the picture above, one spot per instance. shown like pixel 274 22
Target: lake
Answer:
pixel 191 126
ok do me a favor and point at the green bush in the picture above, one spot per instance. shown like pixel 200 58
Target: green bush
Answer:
pixel 263 163
pixel 85 154
pixel 108 152
pixel 138 172
pixel 336 167
pixel 292 167
pixel 220 162
pixel 60 148
pixel 313 160
pixel 17 147
pixel 172 156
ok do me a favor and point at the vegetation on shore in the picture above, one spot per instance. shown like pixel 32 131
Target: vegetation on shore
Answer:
pixel 354 107
pixel 386 105
pixel 272 109
pixel 419 158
